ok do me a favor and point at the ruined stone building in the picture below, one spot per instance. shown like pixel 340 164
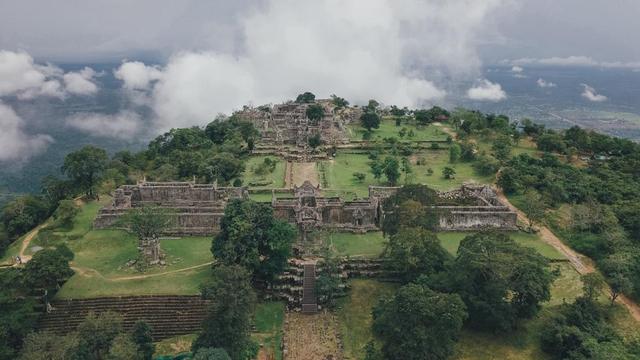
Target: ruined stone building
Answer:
pixel 285 128
pixel 200 207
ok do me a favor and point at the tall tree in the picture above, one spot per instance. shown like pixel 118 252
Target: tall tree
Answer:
pixel 315 112
pixel 250 236
pixel 47 270
pixel 415 251
pixel 141 336
pixel 370 120
pixel 306 97
pixel 500 281
pixel 228 319
pixel 85 167
pixel 148 223
pixel 419 323
pixel 533 207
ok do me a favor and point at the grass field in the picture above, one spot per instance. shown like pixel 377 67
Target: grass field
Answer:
pixel 268 319
pixel 174 346
pixel 369 245
pixel 339 172
pixel 354 314
pixel 101 257
pixel 274 179
pixel 451 240
pixel 389 129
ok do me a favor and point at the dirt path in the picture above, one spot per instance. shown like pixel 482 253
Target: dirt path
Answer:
pixel 304 171
pixel 446 129
pixel 88 272
pixel 288 175
pixel 581 263
pixel 311 337
pixel 27 240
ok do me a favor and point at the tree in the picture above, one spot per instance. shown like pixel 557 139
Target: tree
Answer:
pixel 47 270
pixel 592 285
pixel 96 335
pixel 148 223
pixel 411 206
pixel 502 147
pixel 306 98
pixel 339 102
pixel 18 316
pixel 533 207
pixel 422 117
pixel 65 213
pixel 448 173
pixel 228 320
pixel 370 120
pixel 500 281
pixel 141 336
pixel 454 153
pixel 315 112
pixel 391 170
pixel 48 346
pixel 250 236
pixel 85 167
pixel 359 177
pixel 23 214
pixel 329 285
pixel 211 354
pixel 415 251
pixel 315 141
pixel 123 348
pixel 419 323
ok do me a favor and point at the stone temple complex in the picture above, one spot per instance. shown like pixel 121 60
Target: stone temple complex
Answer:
pixel 200 207
pixel 285 128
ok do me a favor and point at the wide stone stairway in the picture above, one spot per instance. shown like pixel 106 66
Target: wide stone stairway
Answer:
pixel 309 299
pixel 168 316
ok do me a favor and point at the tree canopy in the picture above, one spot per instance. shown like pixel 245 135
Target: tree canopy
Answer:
pixel 85 168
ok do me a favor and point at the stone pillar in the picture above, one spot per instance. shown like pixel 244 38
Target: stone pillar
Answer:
pixel 150 250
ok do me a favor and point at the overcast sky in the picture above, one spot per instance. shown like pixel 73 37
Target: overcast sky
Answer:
pixel 152 30
pixel 181 62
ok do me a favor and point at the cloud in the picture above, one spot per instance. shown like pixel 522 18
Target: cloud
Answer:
pixel 590 94
pixel 573 61
pixel 379 51
pixel 545 84
pixel 136 75
pixel 20 76
pixel 517 69
pixel 17 145
pixel 123 125
pixel 487 91
pixel 81 82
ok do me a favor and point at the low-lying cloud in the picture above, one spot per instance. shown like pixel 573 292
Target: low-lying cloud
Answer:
pixel 17 145
pixel 22 77
pixel 485 90
pixel 379 51
pixel 123 125
pixel 590 94
pixel 545 84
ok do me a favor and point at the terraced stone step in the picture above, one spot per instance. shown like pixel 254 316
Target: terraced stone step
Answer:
pixel 168 316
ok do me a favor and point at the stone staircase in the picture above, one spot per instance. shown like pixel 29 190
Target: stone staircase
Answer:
pixel 168 316
pixel 309 298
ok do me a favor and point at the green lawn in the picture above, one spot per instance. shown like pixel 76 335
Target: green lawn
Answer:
pixel 370 244
pixel 175 345
pixel 451 240
pixel 268 319
pixel 339 173
pixel 274 179
pixel 354 314
pixel 388 129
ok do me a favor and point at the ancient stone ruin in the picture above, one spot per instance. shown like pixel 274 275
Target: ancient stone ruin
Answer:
pixel 200 207
pixel 285 128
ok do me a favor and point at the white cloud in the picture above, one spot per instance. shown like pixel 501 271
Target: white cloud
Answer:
pixel 123 125
pixel 137 75
pixel 573 61
pixel 17 145
pixel 20 76
pixel 590 94
pixel 376 51
pixel 545 84
pixel 81 82
pixel 485 90
pixel 517 69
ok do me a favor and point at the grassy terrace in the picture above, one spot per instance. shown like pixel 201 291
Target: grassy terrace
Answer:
pixel 274 179
pixel 389 129
pixel 268 319
pixel 339 173
pixel 451 240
